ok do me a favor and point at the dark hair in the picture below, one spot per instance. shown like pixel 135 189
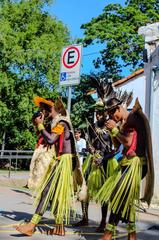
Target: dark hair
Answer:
pixel 35 115
pixel 77 130
pixel 112 104
pixel 100 112
pixel 45 106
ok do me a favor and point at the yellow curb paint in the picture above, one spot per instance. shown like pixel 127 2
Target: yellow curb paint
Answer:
pixel 14 231
pixel 44 224
pixel 67 233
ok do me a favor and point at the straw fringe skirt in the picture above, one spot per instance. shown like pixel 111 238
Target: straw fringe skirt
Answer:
pixel 98 175
pixel 122 190
pixel 61 193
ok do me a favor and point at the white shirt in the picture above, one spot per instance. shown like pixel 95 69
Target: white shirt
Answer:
pixel 80 144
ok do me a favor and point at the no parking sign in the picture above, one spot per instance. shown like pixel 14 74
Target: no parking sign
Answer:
pixel 70 65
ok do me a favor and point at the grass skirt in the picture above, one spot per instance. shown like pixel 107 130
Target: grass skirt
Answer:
pixel 95 180
pixel 87 165
pixel 97 175
pixel 94 175
pixel 122 190
pixel 112 165
pixel 60 194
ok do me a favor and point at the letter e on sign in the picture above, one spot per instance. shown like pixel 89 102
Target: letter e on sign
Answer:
pixel 71 57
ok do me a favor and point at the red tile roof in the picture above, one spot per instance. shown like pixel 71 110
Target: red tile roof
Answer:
pixel 89 92
pixel 123 80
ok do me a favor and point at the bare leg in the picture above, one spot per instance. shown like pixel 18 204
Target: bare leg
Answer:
pixel 101 227
pixel 132 236
pixel 27 229
pixel 84 221
pixel 111 226
pixel 107 235
pixel 58 230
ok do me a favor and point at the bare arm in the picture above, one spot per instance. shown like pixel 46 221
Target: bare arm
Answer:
pixel 50 138
pixel 125 139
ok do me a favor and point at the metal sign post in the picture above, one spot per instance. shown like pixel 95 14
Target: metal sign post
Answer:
pixel 70 69
pixel 69 99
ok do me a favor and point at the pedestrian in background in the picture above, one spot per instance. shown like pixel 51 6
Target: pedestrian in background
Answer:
pixel 80 145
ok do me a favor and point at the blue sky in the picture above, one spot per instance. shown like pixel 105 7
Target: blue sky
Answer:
pixel 73 14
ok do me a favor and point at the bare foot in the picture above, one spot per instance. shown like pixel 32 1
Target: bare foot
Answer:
pixel 101 227
pixel 132 236
pixel 83 222
pixel 107 236
pixel 58 230
pixel 27 229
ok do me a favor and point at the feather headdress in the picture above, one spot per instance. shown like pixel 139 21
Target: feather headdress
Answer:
pixel 105 91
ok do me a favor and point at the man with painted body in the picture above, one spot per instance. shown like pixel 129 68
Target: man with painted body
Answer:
pixel 123 192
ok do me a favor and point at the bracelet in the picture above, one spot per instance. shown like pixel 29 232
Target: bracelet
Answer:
pixel 114 132
pixel 41 127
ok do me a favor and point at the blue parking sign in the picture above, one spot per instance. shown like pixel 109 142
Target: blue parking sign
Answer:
pixel 63 76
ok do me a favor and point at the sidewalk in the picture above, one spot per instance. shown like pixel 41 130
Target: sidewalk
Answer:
pixel 16 179
pixel 16 206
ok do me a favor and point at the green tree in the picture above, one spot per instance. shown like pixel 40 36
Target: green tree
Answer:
pixel 82 104
pixel 30 46
pixel 117 28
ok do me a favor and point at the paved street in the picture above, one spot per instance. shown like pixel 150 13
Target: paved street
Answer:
pixel 16 206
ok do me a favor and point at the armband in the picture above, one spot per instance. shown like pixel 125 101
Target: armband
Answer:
pixel 41 127
pixel 114 132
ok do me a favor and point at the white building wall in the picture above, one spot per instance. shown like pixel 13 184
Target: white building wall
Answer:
pixel 155 138
pixel 138 86
pixel 151 69
pixel 153 77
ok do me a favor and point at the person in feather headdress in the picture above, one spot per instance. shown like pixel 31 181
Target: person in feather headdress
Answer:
pixel 102 159
pixel 123 192
pixel 56 188
pixel 95 166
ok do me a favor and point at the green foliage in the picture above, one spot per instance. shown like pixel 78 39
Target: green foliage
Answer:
pixel 82 106
pixel 117 27
pixel 30 48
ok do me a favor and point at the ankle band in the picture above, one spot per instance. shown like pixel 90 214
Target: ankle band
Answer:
pixel 131 227
pixel 110 227
pixel 36 218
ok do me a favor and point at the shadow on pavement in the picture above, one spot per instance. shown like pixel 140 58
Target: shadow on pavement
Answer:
pixel 82 233
pixel 20 191
pixel 155 227
pixel 16 216
pixel 18 235
pixel 148 235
